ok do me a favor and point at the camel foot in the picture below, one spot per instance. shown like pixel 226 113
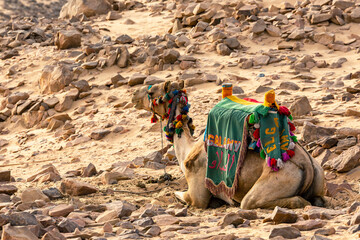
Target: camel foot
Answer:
pixel 181 197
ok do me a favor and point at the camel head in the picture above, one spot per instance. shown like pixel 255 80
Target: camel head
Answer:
pixel 141 97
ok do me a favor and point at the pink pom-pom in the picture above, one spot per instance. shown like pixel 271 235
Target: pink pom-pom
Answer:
pixel 258 143
pixel 285 156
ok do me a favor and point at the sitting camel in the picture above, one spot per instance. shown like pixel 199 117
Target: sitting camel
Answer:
pixel 299 183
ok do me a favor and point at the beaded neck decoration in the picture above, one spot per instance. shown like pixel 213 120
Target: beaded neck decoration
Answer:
pixel 175 124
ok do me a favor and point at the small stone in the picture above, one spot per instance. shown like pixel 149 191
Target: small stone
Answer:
pixel 8 189
pixel 68 39
pixel 273 31
pixel 124 39
pixel 17 233
pixel 32 194
pixel 297 34
pixel 112 15
pixel 99 134
pixel 281 215
pixel 261 60
pixel 262 89
pixel 107 228
pixel 5 176
pixel 289 86
pixel 300 107
pixel 89 171
pixel 258 27
pixel 308 225
pixel 223 49
pixel 107 216
pixel 320 17
pixel 311 132
pixel 53 193
pixel 343 4
pixel 137 79
pixel 328 142
pixel 326 231
pixel 231 218
pixel 285 232
pixel 324 38
pixel 15 97
pixel 170 56
pixel 165 219
pixel 76 188
pixel 61 210
pixel 153 231
pixel 346 161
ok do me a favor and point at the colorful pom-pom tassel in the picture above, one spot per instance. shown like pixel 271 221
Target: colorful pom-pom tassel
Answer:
pixel 262 154
pixel 292 126
pixel 178 117
pixel 252 119
pixel 256 134
pixel 284 110
pixel 285 156
pixel 268 161
pixel 171 100
pixel 290 117
pixel 258 143
pixel 154 119
pixel 279 163
pixel 291 153
pixel 178 125
pixel 291 145
pixel 294 138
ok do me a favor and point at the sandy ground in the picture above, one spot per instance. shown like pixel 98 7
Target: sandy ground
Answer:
pixel 30 149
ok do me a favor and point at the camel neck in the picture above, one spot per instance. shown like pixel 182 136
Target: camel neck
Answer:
pixel 183 144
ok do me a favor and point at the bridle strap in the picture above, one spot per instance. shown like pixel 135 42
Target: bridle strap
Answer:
pixel 172 111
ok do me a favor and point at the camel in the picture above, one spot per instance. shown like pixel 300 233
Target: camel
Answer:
pixel 299 183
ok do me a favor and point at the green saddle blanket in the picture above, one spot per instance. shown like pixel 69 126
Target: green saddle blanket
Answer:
pixel 228 139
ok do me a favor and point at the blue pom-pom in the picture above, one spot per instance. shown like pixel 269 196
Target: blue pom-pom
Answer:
pixel 186 109
pixel 175 92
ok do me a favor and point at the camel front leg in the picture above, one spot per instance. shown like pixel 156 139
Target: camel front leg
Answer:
pixel 197 194
pixel 276 189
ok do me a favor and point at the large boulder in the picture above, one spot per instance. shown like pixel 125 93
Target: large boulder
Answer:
pixel 311 132
pixel 55 78
pixel 74 8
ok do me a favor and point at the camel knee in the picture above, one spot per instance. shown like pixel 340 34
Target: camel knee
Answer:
pixel 248 203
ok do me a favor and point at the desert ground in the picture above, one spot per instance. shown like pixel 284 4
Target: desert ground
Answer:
pixel 78 161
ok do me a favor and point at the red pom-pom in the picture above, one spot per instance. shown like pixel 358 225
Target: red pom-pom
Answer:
pixel 273 162
pixel 292 126
pixel 178 118
pixel 170 101
pixel 284 111
pixel 256 134
pixel 291 153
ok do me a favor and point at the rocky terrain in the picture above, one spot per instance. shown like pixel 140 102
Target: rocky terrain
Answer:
pixel 79 162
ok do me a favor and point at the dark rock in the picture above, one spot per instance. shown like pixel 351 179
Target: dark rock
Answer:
pixel 89 171
pixel 300 107
pixel 223 49
pixel 8 189
pixel 137 79
pixel 99 134
pixel 346 161
pixel 170 56
pixel 308 225
pixel 285 232
pixel 68 39
pixel 124 39
pixel 289 86
pixel 231 218
pixel 68 226
pixel 328 142
pixel 281 215
pixel 53 193
pixel 76 188
pixel 5 176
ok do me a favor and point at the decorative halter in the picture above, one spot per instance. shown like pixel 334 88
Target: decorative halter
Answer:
pixel 175 123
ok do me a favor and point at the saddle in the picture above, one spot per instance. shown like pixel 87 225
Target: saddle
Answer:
pixel 235 126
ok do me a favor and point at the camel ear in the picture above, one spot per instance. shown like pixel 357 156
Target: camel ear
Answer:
pixel 181 84
pixel 167 86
